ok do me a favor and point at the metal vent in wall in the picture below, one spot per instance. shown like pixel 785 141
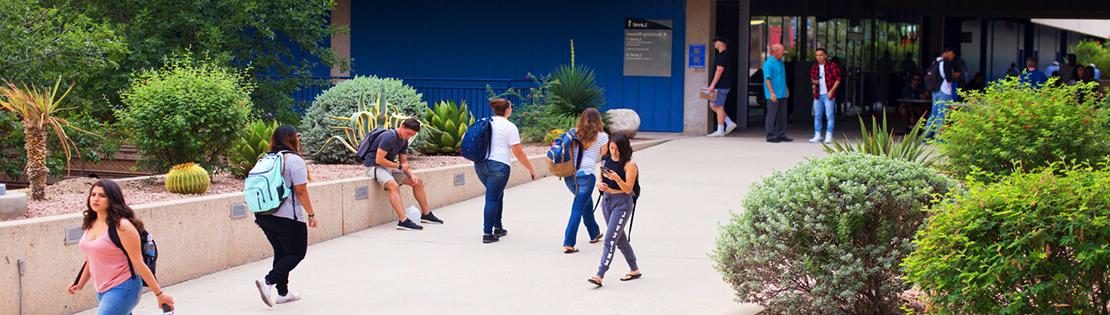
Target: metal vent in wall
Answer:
pixel 238 211
pixel 460 179
pixel 73 235
pixel 362 192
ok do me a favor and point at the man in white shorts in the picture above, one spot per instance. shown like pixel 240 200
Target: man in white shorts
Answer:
pixel 390 167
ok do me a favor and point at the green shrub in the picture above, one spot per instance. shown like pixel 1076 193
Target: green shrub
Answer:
pixel 252 143
pixel 188 111
pixel 1033 243
pixel 880 140
pixel 341 101
pixel 826 236
pixel 1089 51
pixel 445 125
pixel 1011 126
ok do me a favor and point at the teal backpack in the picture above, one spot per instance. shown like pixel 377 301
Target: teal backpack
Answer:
pixel 265 187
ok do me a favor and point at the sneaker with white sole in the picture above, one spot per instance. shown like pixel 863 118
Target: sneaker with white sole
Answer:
pixel 816 138
pixel 408 225
pixel 729 127
pixel 828 138
pixel 716 134
pixel 266 291
pixel 288 297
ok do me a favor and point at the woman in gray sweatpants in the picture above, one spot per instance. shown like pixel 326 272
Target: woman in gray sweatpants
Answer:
pixel 619 183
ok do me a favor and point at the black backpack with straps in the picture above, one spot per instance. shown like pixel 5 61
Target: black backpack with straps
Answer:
pixel 147 247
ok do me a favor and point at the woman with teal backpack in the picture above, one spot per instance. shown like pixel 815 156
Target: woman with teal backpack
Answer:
pixel 593 146
pixel 287 227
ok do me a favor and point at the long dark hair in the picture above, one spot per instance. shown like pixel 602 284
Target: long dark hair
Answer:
pixel 624 147
pixel 117 207
pixel 285 138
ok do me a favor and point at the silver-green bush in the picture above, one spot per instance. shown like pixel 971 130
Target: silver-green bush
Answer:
pixel 827 236
pixel 342 100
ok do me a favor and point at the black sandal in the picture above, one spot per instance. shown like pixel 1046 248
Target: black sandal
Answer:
pixel 595 281
pixel 570 251
pixel 630 277
pixel 598 239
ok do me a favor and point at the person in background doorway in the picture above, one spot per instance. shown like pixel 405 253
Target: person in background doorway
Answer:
pixel 884 70
pixel 287 227
pixel 978 83
pixel 825 77
pixel 1032 75
pixel 908 66
pixel 1067 71
pixel 912 111
pixel 494 172
pixel 1096 72
pixel 774 88
pixel 724 78
pixel 116 269
pixel 1013 71
pixel 1052 69
pixel 941 79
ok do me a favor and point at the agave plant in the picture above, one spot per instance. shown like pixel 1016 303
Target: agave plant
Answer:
pixel 253 142
pixel 446 124
pixel 879 140
pixel 356 127
pixel 38 110
pixel 574 89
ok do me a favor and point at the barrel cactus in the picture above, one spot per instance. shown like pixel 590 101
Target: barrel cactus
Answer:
pixel 446 124
pixel 187 178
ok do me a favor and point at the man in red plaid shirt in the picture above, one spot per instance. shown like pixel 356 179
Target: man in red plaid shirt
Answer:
pixel 825 76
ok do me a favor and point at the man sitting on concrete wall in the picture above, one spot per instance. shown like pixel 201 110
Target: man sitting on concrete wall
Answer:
pixel 390 167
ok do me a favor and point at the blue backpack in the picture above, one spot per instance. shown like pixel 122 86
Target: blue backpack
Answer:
pixel 265 187
pixel 560 157
pixel 477 139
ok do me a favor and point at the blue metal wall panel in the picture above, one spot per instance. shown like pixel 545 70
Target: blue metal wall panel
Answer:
pixel 503 40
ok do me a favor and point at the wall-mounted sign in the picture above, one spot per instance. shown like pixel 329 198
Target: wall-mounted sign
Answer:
pixel 647 47
pixel 697 56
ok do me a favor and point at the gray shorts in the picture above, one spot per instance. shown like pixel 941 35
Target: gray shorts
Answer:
pixel 385 175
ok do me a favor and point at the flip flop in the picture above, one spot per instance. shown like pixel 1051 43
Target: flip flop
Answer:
pixel 598 239
pixel 570 251
pixel 630 277
pixel 594 281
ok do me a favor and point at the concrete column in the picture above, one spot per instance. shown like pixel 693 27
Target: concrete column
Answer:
pixel 700 21
pixel 341 44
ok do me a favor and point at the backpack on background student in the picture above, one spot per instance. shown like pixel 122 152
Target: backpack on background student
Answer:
pixel 477 140
pixel 363 151
pixel 560 157
pixel 933 80
pixel 148 248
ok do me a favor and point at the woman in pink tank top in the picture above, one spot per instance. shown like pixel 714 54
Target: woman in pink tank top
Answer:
pixel 117 288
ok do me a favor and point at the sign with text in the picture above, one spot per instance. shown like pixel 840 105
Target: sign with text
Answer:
pixel 647 47
pixel 697 56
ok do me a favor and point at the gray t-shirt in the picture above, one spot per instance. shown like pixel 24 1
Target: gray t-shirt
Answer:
pixel 391 143
pixel 295 173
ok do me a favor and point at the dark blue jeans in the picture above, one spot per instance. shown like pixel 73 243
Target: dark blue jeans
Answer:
pixel 582 208
pixel 494 175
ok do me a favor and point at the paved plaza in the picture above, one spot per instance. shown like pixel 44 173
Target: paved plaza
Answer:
pixel 689 187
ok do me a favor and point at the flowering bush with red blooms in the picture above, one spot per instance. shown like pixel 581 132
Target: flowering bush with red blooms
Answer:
pixel 1012 126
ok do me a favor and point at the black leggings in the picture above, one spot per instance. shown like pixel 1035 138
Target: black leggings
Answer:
pixel 290 241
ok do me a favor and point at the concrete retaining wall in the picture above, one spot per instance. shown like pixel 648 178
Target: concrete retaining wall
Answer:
pixel 198 236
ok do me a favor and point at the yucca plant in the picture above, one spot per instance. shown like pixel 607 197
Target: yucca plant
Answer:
pixel 253 142
pixel 574 89
pixel 368 117
pixel 38 110
pixel 446 124
pixel 879 140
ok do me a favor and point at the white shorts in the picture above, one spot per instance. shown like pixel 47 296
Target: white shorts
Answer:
pixel 385 175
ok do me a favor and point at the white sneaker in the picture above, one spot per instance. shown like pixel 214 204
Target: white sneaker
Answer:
pixel 729 127
pixel 828 138
pixel 716 134
pixel 288 297
pixel 816 138
pixel 266 291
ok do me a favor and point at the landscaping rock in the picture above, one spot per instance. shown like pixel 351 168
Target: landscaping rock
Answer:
pixel 624 121
pixel 13 205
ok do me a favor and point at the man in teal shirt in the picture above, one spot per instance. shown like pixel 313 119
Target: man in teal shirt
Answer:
pixel 774 88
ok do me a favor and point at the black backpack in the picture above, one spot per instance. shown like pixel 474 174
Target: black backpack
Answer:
pixel 363 151
pixel 147 246
pixel 933 80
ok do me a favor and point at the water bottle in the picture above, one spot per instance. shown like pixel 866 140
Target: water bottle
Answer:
pixel 149 249
pixel 167 310
pixel 3 189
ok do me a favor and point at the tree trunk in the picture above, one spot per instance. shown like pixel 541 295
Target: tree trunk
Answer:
pixel 35 145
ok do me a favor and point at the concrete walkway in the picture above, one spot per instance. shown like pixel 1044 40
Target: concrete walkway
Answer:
pixel 689 187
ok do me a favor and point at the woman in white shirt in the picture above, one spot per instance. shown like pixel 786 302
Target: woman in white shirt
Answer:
pixel 494 172
pixel 595 145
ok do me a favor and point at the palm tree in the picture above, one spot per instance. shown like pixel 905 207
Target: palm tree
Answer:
pixel 38 110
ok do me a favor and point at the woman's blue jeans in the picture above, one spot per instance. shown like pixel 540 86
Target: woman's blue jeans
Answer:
pixel 582 209
pixel 495 176
pixel 121 299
